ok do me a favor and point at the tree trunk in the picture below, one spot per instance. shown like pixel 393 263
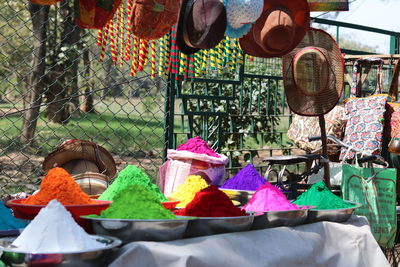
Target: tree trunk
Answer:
pixel 39 16
pixel 65 70
pixel 87 105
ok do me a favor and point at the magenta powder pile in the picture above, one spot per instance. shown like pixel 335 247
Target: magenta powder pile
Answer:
pixel 199 146
pixel 269 198
pixel 247 178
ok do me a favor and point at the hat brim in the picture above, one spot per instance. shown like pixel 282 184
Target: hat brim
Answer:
pixel 81 149
pixel 301 17
pixel 325 101
pixel 186 7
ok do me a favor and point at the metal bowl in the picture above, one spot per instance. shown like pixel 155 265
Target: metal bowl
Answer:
pixel 243 196
pixel 202 226
pixel 334 215
pixel 140 230
pixel 94 257
pixel 271 219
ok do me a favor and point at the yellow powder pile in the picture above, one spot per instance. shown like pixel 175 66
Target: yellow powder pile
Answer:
pixel 186 191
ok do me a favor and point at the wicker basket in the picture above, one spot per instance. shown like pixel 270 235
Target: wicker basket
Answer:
pixel 92 183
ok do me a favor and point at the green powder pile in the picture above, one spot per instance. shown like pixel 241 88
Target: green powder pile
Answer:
pixel 136 202
pixel 320 196
pixel 130 175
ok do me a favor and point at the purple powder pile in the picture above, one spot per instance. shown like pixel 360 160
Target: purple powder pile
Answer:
pixel 199 146
pixel 247 178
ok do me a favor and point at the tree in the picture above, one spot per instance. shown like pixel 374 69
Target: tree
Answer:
pixel 33 98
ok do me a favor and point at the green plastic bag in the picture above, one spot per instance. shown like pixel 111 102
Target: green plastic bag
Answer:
pixel 375 189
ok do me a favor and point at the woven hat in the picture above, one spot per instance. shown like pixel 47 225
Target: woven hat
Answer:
pixel 81 150
pixel 153 19
pixel 281 26
pixel 240 15
pixel 201 25
pixel 313 74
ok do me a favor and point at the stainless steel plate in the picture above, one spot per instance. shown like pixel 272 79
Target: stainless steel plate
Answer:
pixel 140 230
pixel 334 215
pixel 202 226
pixel 94 257
pixel 271 219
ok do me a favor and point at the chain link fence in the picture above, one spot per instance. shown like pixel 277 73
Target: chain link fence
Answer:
pixel 54 88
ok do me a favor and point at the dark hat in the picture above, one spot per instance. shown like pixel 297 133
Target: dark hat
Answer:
pixel 201 25
pixel 278 30
pixel 313 74
pixel 75 150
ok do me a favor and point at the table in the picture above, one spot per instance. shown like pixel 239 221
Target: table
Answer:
pixel 349 244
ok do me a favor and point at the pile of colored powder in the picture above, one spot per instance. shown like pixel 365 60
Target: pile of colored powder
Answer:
pixel 247 178
pixel 269 198
pixel 54 230
pixel 136 202
pixel 130 175
pixel 321 197
pixel 7 220
pixel 59 184
pixel 199 146
pixel 186 191
pixel 211 202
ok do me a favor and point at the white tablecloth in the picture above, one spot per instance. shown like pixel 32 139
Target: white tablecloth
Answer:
pixel 324 244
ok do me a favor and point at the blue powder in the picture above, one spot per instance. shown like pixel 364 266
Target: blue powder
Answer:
pixel 7 220
pixel 247 178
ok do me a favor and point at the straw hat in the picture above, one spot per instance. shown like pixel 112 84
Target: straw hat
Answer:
pixel 201 25
pixel 313 74
pixel 278 30
pixel 81 156
pixel 240 15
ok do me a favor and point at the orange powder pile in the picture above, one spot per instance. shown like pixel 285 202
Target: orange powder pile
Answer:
pixel 59 184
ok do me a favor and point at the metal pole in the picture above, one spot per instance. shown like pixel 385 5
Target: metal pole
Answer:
pixel 324 150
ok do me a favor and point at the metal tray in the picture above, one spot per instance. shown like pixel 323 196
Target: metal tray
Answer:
pixel 94 257
pixel 203 226
pixel 271 219
pixel 334 215
pixel 140 230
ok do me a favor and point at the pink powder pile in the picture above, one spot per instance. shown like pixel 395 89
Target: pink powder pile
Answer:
pixel 199 146
pixel 269 198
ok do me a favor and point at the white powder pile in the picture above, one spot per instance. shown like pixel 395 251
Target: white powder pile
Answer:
pixel 54 230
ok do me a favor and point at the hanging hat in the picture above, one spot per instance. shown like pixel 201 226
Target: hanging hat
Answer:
pixel 240 15
pixel 201 25
pixel 313 74
pixel 95 14
pixel 81 155
pixel 278 30
pixel 153 19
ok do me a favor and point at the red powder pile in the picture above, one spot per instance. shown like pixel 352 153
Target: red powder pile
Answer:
pixel 211 202
pixel 199 146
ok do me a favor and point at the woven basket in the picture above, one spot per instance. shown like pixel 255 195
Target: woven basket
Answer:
pixel 92 183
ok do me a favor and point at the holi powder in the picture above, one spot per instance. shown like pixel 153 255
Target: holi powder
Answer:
pixel 186 191
pixel 269 198
pixel 199 146
pixel 54 230
pixel 59 184
pixel 136 202
pixel 130 175
pixel 247 178
pixel 7 220
pixel 211 202
pixel 321 197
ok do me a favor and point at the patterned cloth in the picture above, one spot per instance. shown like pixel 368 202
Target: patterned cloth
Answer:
pixel 364 129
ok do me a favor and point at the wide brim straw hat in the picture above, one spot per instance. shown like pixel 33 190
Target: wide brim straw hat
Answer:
pixel 81 150
pixel 281 26
pixel 240 16
pixel 313 74
pixel 201 25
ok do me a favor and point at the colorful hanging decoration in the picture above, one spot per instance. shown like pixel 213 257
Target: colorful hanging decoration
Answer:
pixel 160 57
pixel 328 5
pixel 95 14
